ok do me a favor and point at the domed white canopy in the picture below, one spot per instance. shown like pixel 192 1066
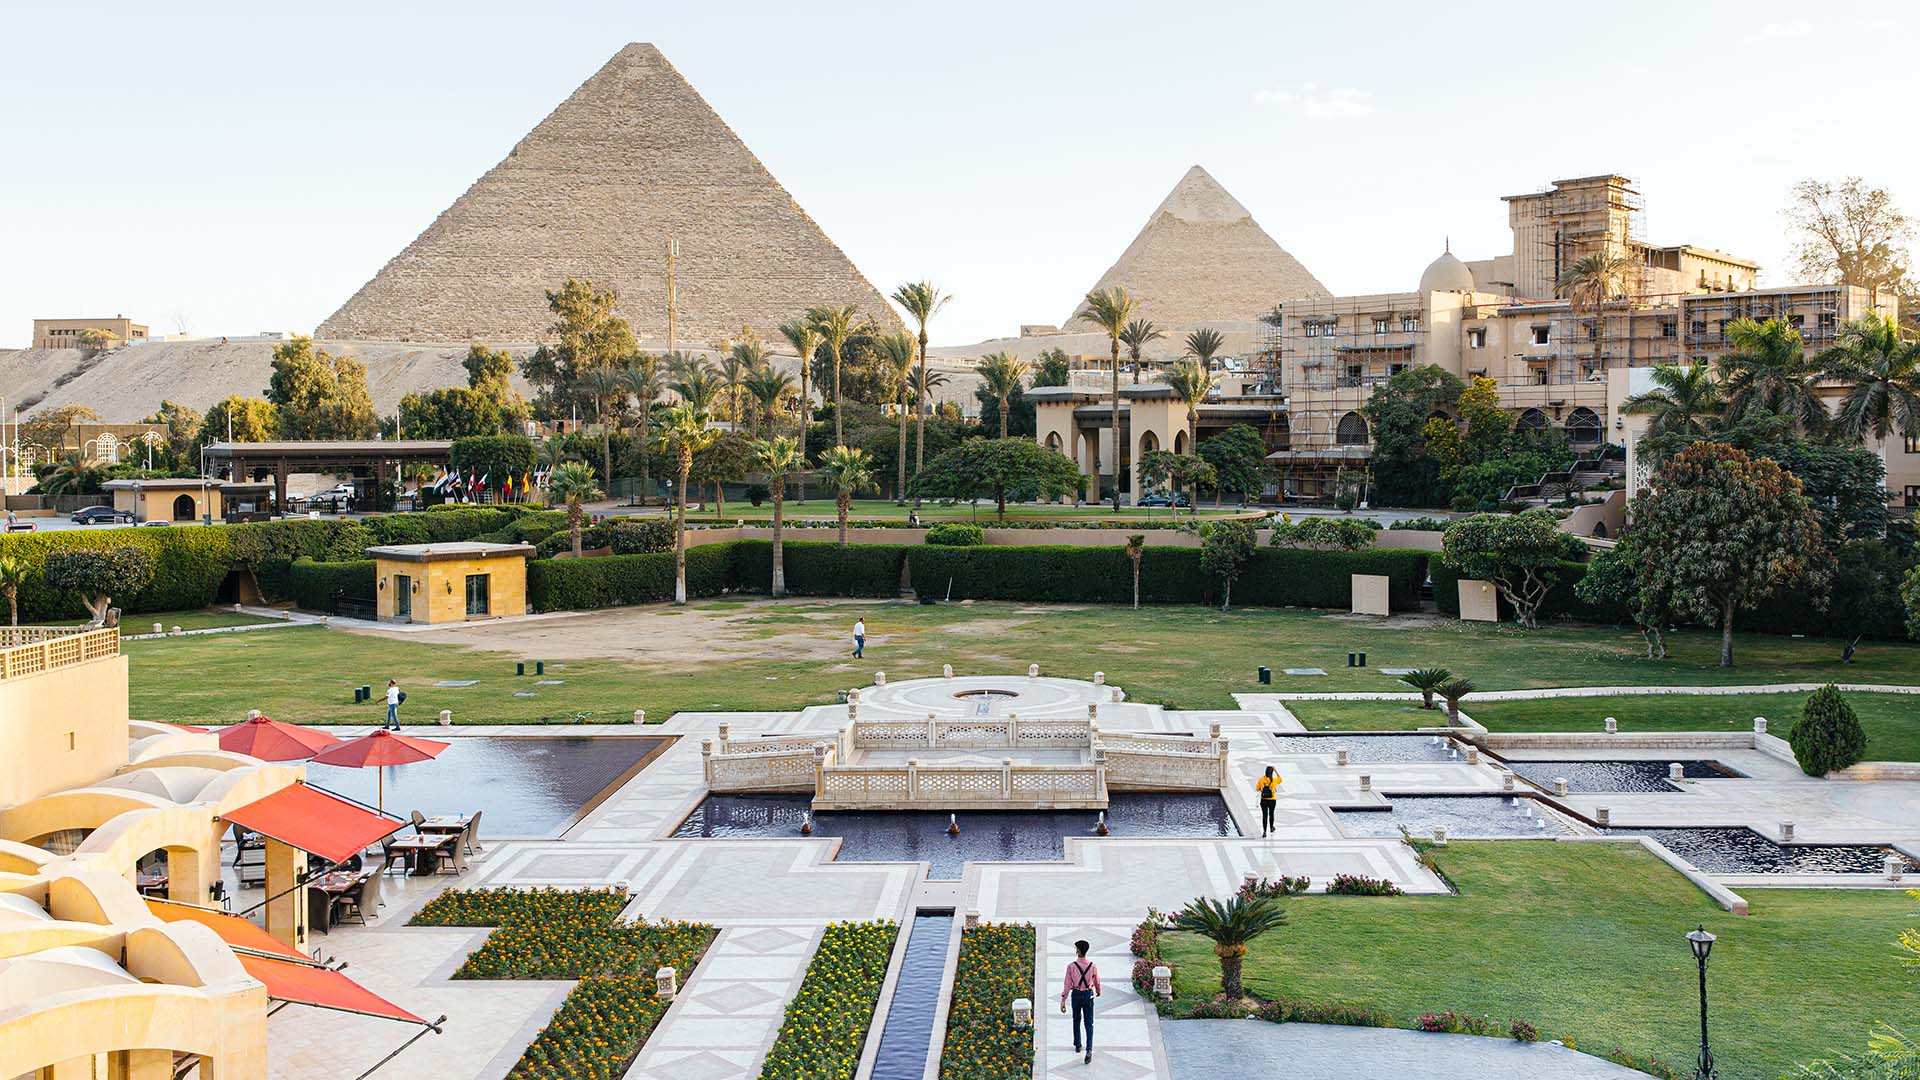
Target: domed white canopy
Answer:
pixel 1446 274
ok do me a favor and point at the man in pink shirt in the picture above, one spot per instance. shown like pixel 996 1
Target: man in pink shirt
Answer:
pixel 1082 985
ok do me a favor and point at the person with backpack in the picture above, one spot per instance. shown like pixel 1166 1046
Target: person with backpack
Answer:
pixel 1082 985
pixel 1268 788
pixel 394 698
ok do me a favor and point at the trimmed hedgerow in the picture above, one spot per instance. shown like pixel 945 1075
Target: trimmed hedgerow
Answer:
pixel 312 584
pixel 816 568
pixel 616 580
pixel 1300 577
pixel 983 1042
pixel 956 534
pixel 188 566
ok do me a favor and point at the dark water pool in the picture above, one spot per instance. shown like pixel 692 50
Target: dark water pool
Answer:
pixel 1366 749
pixel 908 1036
pixel 1616 775
pixel 523 786
pixel 910 835
pixel 1460 815
pixel 1743 851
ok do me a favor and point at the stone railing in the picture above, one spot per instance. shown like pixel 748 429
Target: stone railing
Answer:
pixel 30 650
pixel 935 733
pixel 961 787
pixel 773 763
pixel 1146 762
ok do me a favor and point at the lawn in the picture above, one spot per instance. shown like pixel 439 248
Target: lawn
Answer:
pixel 1585 940
pixel 204 619
pixel 1182 657
pixel 1892 721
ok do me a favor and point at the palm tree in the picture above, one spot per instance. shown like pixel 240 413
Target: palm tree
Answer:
pixel 1001 373
pixel 896 365
pixel 778 457
pixel 699 389
pixel 1882 374
pixel 768 386
pixel 1204 344
pixel 1427 680
pixel 1591 281
pixel 13 578
pixel 684 433
pixel 606 386
pixel 1135 336
pixel 1684 402
pixel 1454 690
pixel 640 380
pixel 1111 310
pixel 1136 547
pixel 836 326
pixel 1192 381
pixel 572 483
pixel 848 471
pixel 1230 924
pixel 805 341
pixel 923 302
pixel 745 358
pixel 1769 372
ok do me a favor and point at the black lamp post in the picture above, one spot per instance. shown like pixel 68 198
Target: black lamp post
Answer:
pixel 1702 944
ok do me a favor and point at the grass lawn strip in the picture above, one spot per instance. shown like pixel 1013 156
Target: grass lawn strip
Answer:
pixel 1585 941
pixel 190 620
pixel 574 934
pixel 826 1022
pixel 995 967
pixel 1181 657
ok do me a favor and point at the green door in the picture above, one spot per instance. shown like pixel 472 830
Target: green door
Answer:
pixel 477 588
pixel 403 596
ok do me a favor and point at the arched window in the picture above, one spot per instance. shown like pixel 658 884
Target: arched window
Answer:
pixel 1583 427
pixel 1532 422
pixel 183 508
pixel 1053 442
pixel 1179 442
pixel 1148 444
pixel 1352 430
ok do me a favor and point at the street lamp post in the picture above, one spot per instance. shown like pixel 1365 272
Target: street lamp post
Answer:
pixel 1702 943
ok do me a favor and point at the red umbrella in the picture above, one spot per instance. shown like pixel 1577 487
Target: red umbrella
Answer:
pixel 271 740
pixel 378 749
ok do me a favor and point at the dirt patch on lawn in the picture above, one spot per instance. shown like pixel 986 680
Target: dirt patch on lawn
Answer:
pixel 659 634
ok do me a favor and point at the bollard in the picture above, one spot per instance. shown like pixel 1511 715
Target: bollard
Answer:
pixel 1340 756
pixel 1439 836
pixel 1786 832
pixel 1251 879
pixel 946 671
pixel 159 629
pixel 1602 816
pixel 177 631
pixel 879 678
pixel 1895 867
pixel 1351 657
pixel 1506 782
pixel 1022 1012
pixel 251 713
pixel 1266 675
pixel 1473 754
pixel 973 918
pixel 1163 982
pixel 539 667
pixel 520 667
pixel 1116 697
pixel 446 717
pixel 1613 726
pixel 1676 772
pixel 1363 660
pixel 1560 786
pixel 639 716
pixel 1099 678
pixel 1033 671
pixel 1366 783
pixel 666 983
pixel 1759 725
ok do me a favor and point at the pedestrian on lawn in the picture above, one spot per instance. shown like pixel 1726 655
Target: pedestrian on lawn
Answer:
pixel 859 638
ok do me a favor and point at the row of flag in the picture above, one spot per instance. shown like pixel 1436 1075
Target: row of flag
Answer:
pixel 471 483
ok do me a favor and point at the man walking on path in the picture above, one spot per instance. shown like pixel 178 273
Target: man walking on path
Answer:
pixel 859 638
pixel 1269 788
pixel 1082 985
pixel 393 705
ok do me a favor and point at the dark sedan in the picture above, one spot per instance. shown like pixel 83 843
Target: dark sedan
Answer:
pixel 93 515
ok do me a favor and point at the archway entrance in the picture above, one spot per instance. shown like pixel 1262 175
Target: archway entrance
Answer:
pixel 183 508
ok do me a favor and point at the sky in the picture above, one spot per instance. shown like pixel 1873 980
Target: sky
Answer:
pixel 229 169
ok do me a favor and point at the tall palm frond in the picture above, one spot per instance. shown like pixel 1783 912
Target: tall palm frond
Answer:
pixel 1137 335
pixel 1684 402
pixel 1203 344
pixel 837 324
pixel 846 471
pixel 1768 372
pixel 922 302
pixel 897 354
pixel 1192 381
pixel 1001 372
pixel 1111 309
pixel 1882 373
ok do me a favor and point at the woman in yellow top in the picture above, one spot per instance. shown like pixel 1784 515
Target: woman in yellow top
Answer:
pixel 1268 787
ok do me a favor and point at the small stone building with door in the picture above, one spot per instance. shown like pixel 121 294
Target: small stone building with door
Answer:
pixel 449 583
pixel 182 499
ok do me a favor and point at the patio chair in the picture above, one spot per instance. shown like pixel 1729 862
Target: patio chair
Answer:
pixel 470 836
pixel 419 819
pixel 370 899
pixel 395 859
pixel 454 856
pixel 355 899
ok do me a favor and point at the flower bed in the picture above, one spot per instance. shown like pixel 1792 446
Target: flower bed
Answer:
pixel 995 967
pixel 1277 889
pixel 1358 885
pixel 826 1022
pixel 574 934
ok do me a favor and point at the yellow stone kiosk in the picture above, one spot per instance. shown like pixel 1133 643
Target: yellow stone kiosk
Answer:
pixel 450 583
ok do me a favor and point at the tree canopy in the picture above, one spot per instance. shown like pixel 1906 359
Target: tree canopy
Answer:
pixel 1239 460
pixel 99 574
pixel 979 468
pixel 318 395
pixel 1519 553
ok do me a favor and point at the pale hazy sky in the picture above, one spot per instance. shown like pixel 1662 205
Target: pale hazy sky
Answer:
pixel 248 170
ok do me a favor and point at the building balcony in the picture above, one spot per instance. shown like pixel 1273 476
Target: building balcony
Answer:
pixel 32 650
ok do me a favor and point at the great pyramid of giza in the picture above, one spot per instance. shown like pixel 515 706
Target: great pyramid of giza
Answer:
pixel 1202 258
pixel 634 157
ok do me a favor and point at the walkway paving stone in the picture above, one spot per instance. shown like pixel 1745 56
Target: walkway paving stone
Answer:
pixel 1211 1049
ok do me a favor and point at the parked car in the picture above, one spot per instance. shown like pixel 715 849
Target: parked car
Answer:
pixel 331 501
pixel 1163 499
pixel 93 515
pixel 157 521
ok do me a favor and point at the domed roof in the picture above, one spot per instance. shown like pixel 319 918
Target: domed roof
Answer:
pixel 1446 274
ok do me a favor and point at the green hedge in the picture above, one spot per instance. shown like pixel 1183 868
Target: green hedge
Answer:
pixel 615 580
pixel 1303 577
pixel 312 583
pixel 820 568
pixel 189 563
pixel 1561 602
pixel 956 534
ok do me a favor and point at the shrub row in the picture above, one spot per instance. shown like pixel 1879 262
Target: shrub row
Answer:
pixel 983 1042
pixel 821 568
pixel 312 584
pixel 826 1022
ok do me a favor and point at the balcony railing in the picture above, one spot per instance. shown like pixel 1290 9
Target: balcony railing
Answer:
pixel 30 650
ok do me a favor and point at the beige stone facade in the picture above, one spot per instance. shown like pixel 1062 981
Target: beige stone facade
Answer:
pixel 65 333
pixel 634 160
pixel 450 583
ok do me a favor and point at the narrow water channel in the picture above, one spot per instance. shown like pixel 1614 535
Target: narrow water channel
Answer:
pixel 908 1036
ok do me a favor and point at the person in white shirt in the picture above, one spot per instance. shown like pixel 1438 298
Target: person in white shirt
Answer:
pixel 859 638
pixel 393 705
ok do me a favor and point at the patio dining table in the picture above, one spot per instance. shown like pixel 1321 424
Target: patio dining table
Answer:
pixel 327 887
pixel 424 851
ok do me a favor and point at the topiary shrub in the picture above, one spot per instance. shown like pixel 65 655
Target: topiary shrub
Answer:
pixel 312 584
pixel 100 575
pixel 956 534
pixel 1827 736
